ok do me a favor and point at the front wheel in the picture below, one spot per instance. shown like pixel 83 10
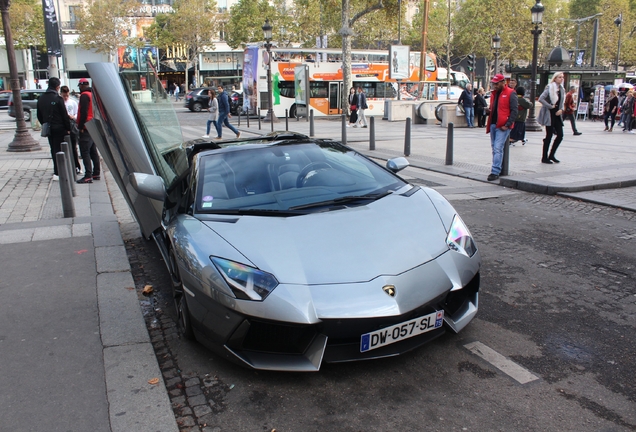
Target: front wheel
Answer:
pixel 184 322
pixel 27 115
pixel 293 111
pixel 197 107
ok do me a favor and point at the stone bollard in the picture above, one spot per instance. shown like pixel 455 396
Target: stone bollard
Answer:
pixel 68 207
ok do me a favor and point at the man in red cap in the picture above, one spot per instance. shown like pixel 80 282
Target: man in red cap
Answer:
pixel 503 112
pixel 86 144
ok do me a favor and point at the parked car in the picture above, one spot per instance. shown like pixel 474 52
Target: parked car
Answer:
pixel 4 99
pixel 29 102
pixel 198 99
pixel 286 252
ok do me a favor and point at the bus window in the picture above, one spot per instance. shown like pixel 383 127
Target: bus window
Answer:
pixel 287 89
pixel 319 89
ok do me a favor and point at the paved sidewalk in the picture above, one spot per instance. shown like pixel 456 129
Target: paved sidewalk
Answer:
pixel 597 166
pixel 75 354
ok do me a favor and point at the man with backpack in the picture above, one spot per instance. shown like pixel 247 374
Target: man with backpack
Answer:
pixel 224 112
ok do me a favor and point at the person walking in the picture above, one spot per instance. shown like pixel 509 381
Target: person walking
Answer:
pixel 628 109
pixel 569 109
pixel 71 108
pixel 176 92
pixel 353 107
pixel 503 112
pixel 552 100
pixel 480 107
pixel 518 133
pixel 622 95
pixel 213 109
pixel 466 100
pixel 362 105
pixel 224 112
pixel 609 111
pixel 51 110
pixel 88 150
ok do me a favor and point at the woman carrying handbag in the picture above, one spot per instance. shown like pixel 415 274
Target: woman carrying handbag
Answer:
pixel 353 108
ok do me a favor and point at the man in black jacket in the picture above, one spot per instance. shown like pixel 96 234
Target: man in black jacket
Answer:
pixel 51 110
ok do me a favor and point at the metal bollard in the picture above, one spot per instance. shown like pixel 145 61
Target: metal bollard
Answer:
pixel 70 166
pixel 68 207
pixel 259 119
pixel 248 117
pixel 286 119
pixel 449 144
pixel 344 129
pixel 311 123
pixel 505 163
pixel 239 116
pixel 407 137
pixel 372 133
pixel 271 119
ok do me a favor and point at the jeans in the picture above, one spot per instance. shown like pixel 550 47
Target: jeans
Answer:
pixel 222 120
pixel 498 139
pixel 362 119
pixel 470 116
pixel 610 116
pixel 55 141
pixel 89 154
pixel 216 128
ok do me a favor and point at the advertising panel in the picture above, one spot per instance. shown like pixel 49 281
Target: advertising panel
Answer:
pixel 399 56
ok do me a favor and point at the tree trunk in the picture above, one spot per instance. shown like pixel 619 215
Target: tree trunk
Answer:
pixel 346 32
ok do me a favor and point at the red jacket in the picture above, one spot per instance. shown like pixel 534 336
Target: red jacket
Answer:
pixel 569 105
pixel 506 109
pixel 85 113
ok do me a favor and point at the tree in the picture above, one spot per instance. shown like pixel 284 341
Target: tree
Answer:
pixel 346 32
pixel 244 15
pixel 105 25
pixel 27 23
pixel 193 24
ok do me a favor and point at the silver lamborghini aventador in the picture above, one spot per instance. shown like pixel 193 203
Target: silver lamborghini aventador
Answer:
pixel 285 251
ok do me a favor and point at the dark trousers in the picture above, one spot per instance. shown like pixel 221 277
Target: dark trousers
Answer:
pixel 480 113
pixel 89 155
pixel 572 118
pixel 557 131
pixel 518 133
pixel 74 138
pixel 610 116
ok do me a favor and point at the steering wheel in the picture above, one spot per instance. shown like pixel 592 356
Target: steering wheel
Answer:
pixel 312 167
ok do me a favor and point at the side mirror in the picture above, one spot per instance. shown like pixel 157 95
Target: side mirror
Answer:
pixel 397 164
pixel 148 185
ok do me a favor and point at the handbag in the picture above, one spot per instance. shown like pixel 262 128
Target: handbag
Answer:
pixel 46 129
pixel 353 107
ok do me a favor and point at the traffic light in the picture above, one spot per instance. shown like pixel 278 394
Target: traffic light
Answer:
pixel 470 60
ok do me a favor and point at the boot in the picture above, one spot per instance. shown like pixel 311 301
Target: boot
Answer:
pixel 606 128
pixel 545 159
pixel 551 157
pixel 611 129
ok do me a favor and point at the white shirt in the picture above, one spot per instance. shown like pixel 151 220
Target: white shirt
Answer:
pixel 71 107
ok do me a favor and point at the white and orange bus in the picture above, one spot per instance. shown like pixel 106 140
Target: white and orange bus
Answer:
pixel 369 69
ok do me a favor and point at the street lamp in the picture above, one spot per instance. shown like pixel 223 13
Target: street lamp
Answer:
pixel 267 32
pixel 23 141
pixel 578 22
pixel 618 21
pixel 537 18
pixel 496 45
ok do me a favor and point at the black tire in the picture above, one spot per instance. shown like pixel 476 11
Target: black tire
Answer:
pixel 184 322
pixel 27 115
pixel 292 111
pixel 197 107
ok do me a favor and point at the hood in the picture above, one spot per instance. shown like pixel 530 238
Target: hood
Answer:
pixel 387 237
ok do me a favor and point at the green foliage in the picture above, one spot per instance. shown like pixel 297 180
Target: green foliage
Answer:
pixel 246 20
pixel 104 25
pixel 27 23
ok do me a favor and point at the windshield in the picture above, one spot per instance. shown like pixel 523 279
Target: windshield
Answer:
pixel 289 177
pixel 158 123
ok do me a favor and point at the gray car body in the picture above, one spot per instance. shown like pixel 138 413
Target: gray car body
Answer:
pixel 331 266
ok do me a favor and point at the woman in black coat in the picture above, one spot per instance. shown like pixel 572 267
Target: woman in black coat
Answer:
pixel 480 108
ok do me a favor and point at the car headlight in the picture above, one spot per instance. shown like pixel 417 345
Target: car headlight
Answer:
pixel 246 282
pixel 459 238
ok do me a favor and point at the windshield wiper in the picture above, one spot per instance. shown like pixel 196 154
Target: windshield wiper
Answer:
pixel 254 212
pixel 343 200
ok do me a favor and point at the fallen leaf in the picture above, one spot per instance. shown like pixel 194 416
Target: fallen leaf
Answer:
pixel 153 381
pixel 147 290
pixel 130 288
pixel 79 252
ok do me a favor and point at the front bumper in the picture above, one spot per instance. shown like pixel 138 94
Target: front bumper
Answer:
pixel 270 345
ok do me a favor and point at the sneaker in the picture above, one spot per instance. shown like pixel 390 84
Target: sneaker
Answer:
pixel 78 171
pixel 238 135
pixel 85 180
pixel 578 133
pixel 218 138
pixel 364 126
pixel 205 136
pixel 524 142
pixel 97 177
pixel 631 131
pixel 56 177
pixel 493 177
pixel 355 126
